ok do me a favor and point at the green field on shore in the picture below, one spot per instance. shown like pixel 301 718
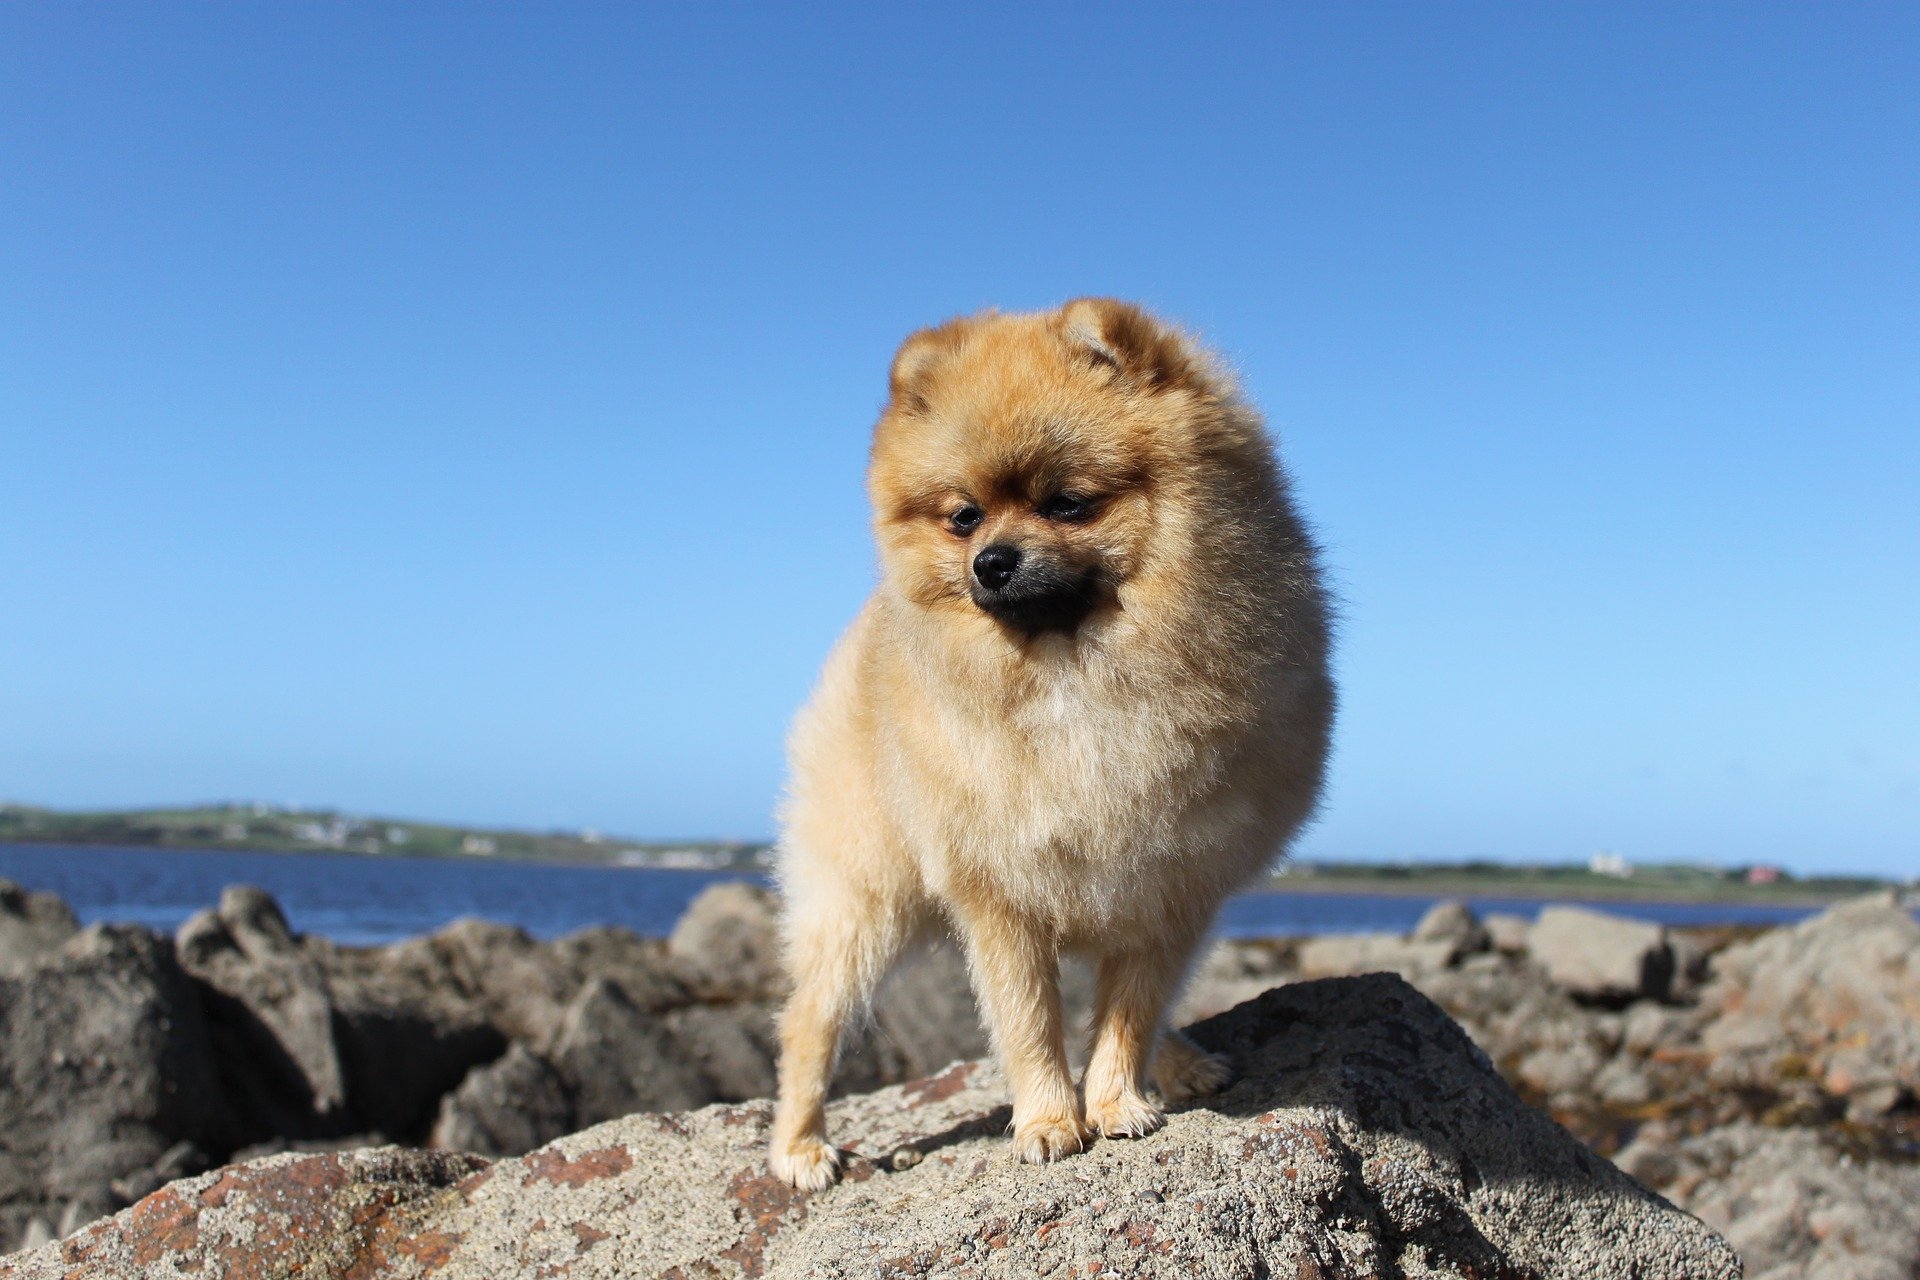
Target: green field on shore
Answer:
pixel 274 829
pixel 1660 882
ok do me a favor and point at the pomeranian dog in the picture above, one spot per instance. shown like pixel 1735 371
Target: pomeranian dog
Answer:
pixel 1088 701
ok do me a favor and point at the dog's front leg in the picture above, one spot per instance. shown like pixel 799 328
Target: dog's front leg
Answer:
pixel 836 957
pixel 1016 972
pixel 1130 997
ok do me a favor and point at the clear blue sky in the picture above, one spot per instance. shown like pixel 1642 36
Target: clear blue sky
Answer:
pixel 458 411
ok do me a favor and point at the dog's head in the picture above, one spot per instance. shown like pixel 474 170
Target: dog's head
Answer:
pixel 1027 467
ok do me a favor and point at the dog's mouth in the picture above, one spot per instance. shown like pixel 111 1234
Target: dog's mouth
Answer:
pixel 1051 602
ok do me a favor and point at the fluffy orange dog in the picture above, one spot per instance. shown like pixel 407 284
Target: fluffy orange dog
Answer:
pixel 1088 701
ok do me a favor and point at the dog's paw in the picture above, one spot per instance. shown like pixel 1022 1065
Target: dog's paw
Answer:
pixel 807 1163
pixel 1182 1072
pixel 1041 1141
pixel 1125 1116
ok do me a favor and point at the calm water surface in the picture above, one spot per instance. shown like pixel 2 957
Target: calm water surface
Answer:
pixel 364 900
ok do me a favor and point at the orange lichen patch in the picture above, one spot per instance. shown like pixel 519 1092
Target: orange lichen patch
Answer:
pixel 431 1249
pixel 1288 1140
pixel 279 1186
pixel 165 1222
pixel 553 1166
pixel 941 1087
pixel 473 1182
pixel 78 1247
pixel 769 1206
pixel 352 1218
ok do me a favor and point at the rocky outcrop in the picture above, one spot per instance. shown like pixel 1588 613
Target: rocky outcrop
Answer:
pixel 1335 954
pixel 1453 922
pixel 270 1007
pixel 120 1070
pixel 611 1053
pixel 1366 1136
pixel 1836 999
pixel 727 944
pixel 1796 1203
pixel 32 925
pixel 106 1067
pixel 130 1059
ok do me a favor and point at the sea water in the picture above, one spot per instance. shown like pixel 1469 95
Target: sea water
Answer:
pixel 356 899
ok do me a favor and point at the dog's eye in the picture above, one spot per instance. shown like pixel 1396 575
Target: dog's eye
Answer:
pixel 966 519
pixel 1066 507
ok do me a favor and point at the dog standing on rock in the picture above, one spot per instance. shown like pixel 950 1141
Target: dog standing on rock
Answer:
pixel 1088 701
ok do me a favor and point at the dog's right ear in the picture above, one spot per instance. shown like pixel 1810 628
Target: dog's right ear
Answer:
pixel 1123 337
pixel 918 355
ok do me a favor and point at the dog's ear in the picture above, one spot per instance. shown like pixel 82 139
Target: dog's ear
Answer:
pixel 1121 336
pixel 918 355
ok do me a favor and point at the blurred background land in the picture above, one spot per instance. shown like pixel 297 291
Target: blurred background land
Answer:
pixel 265 828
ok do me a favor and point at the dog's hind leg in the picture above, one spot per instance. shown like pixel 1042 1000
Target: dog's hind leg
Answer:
pixel 838 948
pixel 1183 1070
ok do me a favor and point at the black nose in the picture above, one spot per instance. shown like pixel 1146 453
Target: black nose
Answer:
pixel 994 566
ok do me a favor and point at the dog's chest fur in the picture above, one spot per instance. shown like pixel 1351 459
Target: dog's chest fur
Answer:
pixel 1079 800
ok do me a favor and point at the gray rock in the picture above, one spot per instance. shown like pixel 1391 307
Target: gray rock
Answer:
pixel 1365 1137
pixel 1692 965
pixel 1507 932
pixel 1452 922
pixel 639 966
pixel 505 1108
pixel 1340 955
pixel 926 1012
pixel 617 1058
pixel 1793 1202
pixel 1601 956
pixel 1836 997
pixel 1234 971
pixel 407 1034
pixel 178 1161
pixel 105 1064
pixel 727 944
pixel 734 1047
pixel 80 1212
pixel 523 985
pixel 32 926
pixel 1623 1083
pixel 270 1005
pixel 1647 1026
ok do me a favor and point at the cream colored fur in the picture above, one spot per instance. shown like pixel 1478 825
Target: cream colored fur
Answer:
pixel 1100 790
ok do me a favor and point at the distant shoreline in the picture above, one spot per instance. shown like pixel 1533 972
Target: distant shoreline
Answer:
pixel 1554 885
pixel 270 829
pixel 1448 885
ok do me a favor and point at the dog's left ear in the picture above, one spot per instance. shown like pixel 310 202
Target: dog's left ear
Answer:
pixel 1121 336
pixel 919 354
